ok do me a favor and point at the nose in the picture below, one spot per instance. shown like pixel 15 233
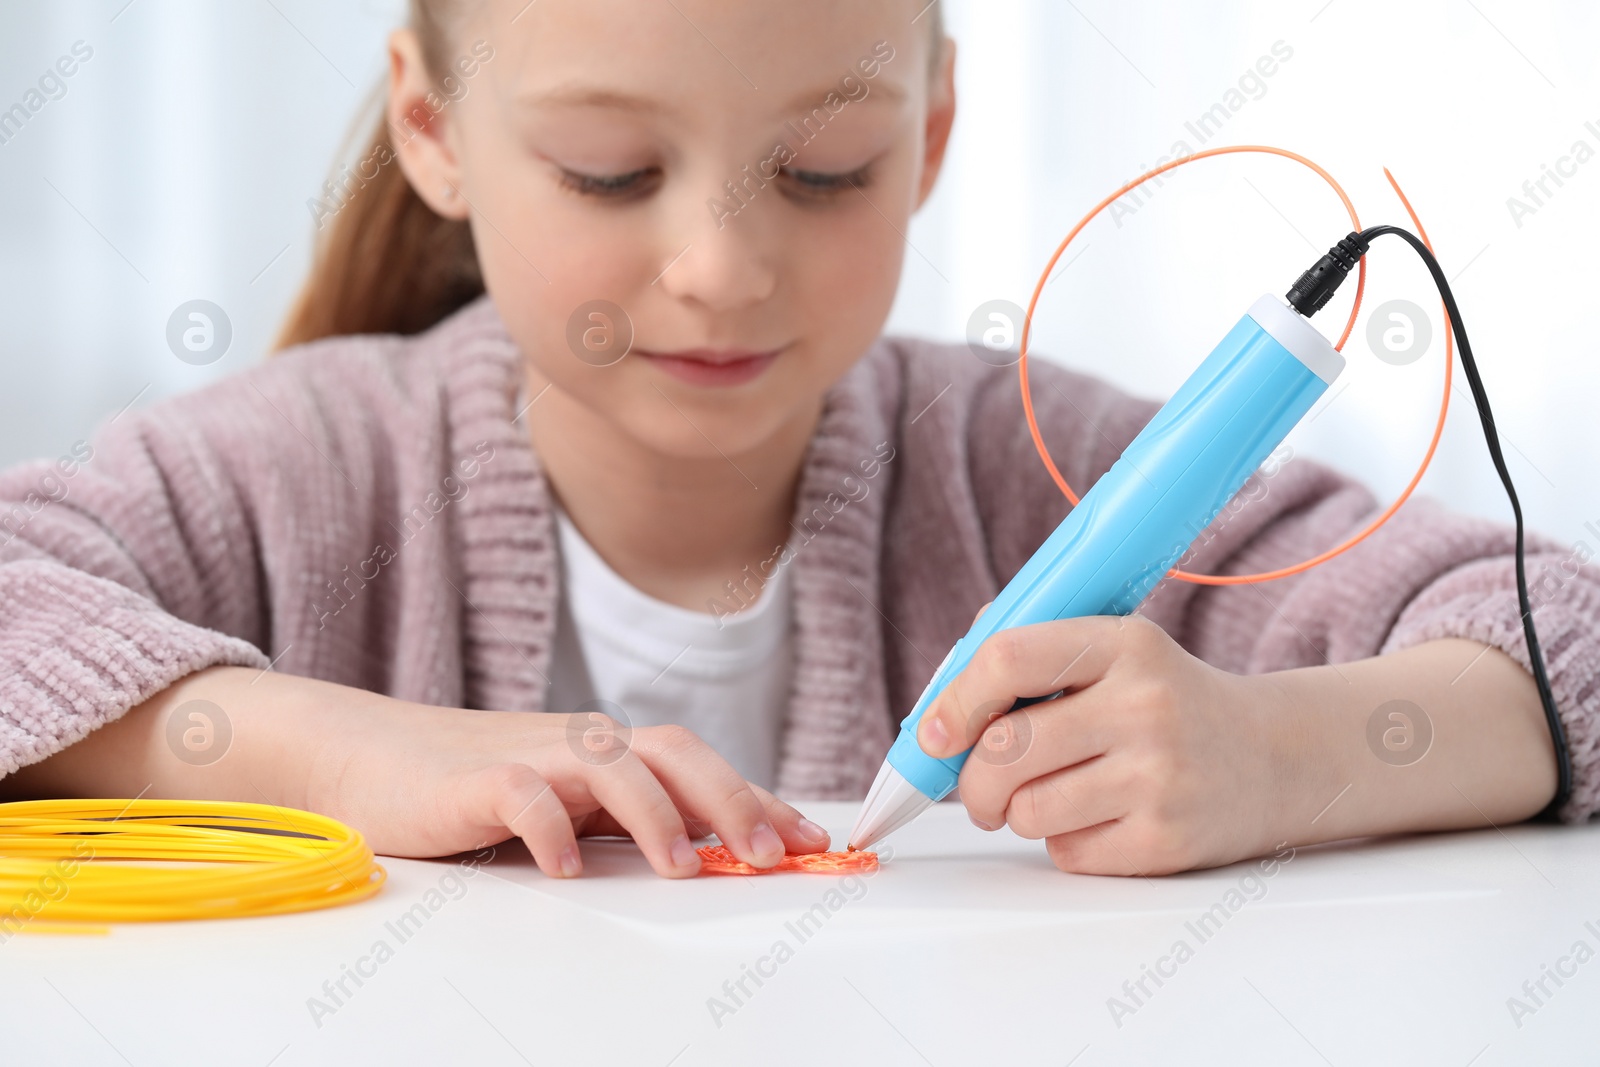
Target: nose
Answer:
pixel 726 263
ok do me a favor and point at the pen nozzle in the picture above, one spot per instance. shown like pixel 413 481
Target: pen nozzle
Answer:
pixel 891 803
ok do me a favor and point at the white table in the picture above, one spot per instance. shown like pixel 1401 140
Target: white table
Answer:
pixel 965 948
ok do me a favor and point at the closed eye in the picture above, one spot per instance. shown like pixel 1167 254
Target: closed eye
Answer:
pixel 815 184
pixel 611 186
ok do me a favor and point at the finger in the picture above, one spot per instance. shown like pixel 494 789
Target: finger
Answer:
pixel 518 798
pixel 1093 850
pixel 1074 798
pixel 705 785
pixel 601 824
pixel 800 834
pixel 1032 742
pixel 630 793
pixel 1021 662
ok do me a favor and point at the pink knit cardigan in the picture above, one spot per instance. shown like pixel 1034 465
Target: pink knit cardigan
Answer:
pixel 369 510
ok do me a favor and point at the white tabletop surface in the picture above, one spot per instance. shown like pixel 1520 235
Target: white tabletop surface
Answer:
pixel 965 948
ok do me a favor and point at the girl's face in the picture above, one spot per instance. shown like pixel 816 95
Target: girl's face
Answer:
pixel 593 152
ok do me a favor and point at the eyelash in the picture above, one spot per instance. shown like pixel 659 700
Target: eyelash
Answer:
pixel 609 186
pixel 811 185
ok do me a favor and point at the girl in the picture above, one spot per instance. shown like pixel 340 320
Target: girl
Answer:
pixel 587 500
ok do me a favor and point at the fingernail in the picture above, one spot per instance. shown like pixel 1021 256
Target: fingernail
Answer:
pixel 570 863
pixel 933 735
pixel 811 831
pixel 683 853
pixel 979 825
pixel 766 844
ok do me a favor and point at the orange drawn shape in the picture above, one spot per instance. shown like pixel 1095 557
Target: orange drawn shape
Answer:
pixel 716 859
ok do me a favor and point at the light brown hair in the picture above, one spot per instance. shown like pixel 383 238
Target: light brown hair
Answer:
pixel 385 262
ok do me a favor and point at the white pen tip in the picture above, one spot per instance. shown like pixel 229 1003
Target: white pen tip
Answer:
pixel 891 803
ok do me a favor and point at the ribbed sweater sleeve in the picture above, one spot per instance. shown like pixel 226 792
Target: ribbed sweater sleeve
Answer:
pixel 124 566
pixel 333 512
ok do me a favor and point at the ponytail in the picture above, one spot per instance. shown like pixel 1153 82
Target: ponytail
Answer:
pixel 384 263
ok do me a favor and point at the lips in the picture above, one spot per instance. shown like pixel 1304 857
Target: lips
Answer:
pixel 712 367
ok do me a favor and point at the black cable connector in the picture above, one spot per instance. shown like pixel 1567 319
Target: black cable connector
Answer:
pixel 1315 288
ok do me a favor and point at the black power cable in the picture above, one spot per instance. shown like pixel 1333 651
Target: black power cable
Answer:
pixel 1311 291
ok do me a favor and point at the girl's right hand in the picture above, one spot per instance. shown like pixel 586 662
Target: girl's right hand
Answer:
pixel 426 781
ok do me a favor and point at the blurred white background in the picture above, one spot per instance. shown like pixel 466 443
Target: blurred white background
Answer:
pixel 178 162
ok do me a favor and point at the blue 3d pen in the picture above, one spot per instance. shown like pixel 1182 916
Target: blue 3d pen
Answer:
pixel 1135 522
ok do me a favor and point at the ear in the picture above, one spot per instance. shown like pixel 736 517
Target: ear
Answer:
pixel 941 117
pixel 423 139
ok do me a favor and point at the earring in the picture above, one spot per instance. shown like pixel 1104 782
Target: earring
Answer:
pixel 448 192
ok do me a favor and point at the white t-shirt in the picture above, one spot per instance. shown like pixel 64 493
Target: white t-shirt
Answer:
pixel 726 679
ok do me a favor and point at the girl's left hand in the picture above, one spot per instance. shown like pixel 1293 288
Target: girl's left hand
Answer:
pixel 1151 762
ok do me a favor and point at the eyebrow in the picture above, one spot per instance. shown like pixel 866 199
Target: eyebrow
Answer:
pixel 585 96
pixel 589 96
pixel 815 97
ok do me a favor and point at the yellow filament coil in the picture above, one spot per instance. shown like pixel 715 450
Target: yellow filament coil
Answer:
pixel 110 861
